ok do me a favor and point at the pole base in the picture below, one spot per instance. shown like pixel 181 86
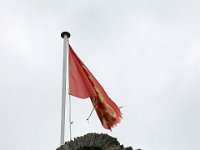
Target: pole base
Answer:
pixel 94 141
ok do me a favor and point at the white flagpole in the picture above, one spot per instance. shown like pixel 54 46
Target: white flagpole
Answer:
pixel 65 36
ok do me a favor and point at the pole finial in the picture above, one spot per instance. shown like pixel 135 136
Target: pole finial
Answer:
pixel 65 33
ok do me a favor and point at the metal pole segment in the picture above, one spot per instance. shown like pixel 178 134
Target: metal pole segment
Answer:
pixel 65 36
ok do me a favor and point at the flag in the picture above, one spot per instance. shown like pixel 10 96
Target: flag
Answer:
pixel 83 84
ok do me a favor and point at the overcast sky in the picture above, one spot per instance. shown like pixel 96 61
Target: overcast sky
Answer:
pixel 145 53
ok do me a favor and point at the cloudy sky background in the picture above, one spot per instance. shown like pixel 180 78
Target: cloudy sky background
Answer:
pixel 145 53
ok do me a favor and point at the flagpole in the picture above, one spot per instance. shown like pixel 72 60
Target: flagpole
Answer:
pixel 65 36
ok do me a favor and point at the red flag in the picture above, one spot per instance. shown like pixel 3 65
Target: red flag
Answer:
pixel 83 85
